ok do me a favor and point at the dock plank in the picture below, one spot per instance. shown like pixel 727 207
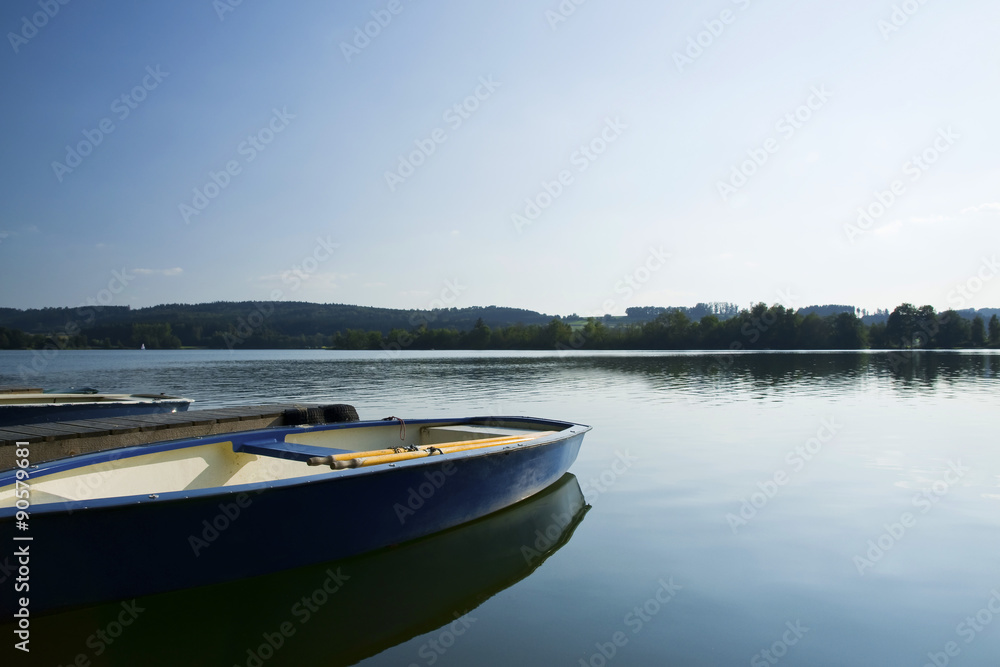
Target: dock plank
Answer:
pixel 169 421
pixel 220 416
pixel 46 434
pixel 87 427
pixel 144 423
pixel 106 424
pixel 10 437
pixel 58 431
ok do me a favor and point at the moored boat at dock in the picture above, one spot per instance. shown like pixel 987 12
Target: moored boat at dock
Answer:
pixel 184 513
pixel 24 406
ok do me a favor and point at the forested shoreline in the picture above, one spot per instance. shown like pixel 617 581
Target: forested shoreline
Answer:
pixel 758 328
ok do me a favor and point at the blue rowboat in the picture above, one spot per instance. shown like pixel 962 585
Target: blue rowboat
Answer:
pixel 371 602
pixel 140 520
pixel 38 407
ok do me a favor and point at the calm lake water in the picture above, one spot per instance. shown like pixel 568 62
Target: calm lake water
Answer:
pixel 757 509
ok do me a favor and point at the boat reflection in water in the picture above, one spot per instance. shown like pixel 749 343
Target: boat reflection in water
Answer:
pixel 329 614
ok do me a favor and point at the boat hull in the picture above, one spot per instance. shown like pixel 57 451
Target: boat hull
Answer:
pixel 89 552
pixel 20 414
pixel 376 600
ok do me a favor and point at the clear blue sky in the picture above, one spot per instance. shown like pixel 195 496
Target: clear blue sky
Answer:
pixel 310 118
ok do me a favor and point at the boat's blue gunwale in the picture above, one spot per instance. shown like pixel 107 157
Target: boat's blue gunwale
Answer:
pixel 569 430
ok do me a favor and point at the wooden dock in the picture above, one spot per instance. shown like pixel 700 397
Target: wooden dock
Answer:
pixel 57 440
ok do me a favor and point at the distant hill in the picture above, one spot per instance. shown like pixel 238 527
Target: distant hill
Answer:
pixel 985 313
pixel 285 317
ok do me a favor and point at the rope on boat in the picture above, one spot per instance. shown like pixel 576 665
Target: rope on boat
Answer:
pixel 402 426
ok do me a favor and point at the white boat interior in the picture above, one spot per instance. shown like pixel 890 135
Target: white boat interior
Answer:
pixel 257 457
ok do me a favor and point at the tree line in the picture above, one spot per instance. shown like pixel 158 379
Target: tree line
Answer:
pixel 757 328
pixel 761 327
pixel 195 322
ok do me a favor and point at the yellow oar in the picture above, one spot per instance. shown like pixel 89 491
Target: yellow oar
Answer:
pixel 376 457
pixel 395 450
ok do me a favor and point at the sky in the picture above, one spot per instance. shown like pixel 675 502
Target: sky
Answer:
pixel 582 156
